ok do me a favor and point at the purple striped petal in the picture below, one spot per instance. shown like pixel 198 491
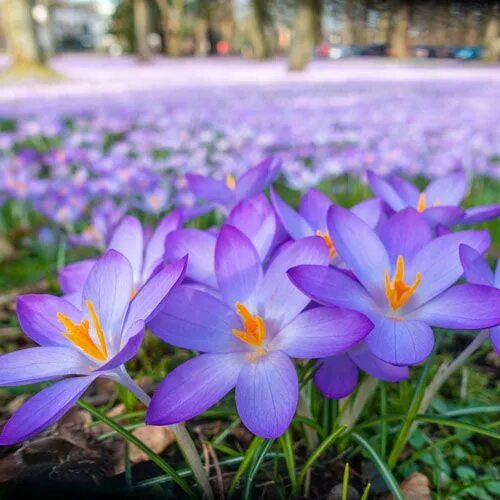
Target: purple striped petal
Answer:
pixel 295 225
pixel 375 367
pixel 329 286
pixel 337 376
pixel 267 393
pixel 196 320
pixel 37 364
pixel 370 211
pixel 481 214
pixel 359 247
pixel 405 233
pixel 37 316
pixel 44 409
pixel 109 287
pixel 210 189
pixel 155 249
pixel 279 300
pixel 313 208
pixel 322 332
pixel 194 387
pixel 467 307
pixel 440 265
pixel 400 342
pixel 256 179
pixel 385 191
pixel 445 216
pixel 406 190
pixel 237 267
pixel 72 277
pixel 448 190
pixel 477 270
pixel 200 246
pixel 495 338
pixel 128 239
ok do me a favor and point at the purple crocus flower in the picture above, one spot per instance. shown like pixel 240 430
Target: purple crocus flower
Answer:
pixel 247 336
pixel 478 271
pixel 404 282
pixel 231 190
pixel 310 219
pixel 130 239
pixel 79 344
pixel 439 202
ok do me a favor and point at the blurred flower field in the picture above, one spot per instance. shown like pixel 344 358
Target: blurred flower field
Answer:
pixel 121 170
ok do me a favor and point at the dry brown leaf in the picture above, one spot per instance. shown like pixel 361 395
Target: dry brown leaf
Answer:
pixel 416 487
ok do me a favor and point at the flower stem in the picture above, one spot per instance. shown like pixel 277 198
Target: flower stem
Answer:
pixel 184 440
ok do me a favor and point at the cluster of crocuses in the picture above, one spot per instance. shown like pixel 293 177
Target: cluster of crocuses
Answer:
pixel 355 289
pixel 65 156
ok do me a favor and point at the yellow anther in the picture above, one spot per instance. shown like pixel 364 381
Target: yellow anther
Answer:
pixel 328 242
pixel 230 181
pixel 254 332
pixel 398 292
pixel 422 203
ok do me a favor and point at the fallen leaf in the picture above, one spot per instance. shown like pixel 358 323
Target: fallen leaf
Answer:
pixel 416 487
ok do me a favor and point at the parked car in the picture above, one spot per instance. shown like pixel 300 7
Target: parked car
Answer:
pixel 469 53
pixel 375 49
pixel 336 51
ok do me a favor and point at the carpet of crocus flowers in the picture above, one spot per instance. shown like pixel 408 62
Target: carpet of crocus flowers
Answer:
pixel 299 271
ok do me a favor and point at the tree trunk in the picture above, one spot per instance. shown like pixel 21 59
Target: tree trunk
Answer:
pixel 492 35
pixel 305 33
pixel 259 20
pixel 399 38
pixel 171 23
pixel 141 28
pixel 348 29
pixel 21 36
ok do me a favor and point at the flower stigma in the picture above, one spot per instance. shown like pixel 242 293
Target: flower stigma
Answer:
pixel 254 332
pixel 328 242
pixel 230 182
pixel 398 292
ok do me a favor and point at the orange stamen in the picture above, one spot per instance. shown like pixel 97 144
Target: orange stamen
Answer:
pixel 398 292
pixel 79 334
pixel 255 328
pixel 328 242
pixel 230 182
pixel 422 203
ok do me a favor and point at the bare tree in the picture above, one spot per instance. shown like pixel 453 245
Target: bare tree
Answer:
pixel 306 32
pixel 23 45
pixel 399 38
pixel 141 27
pixel 259 17
pixel 171 20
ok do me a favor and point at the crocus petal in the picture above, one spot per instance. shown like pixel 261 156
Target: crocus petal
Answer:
pixel 375 367
pixel 109 287
pixel 405 233
pixel 131 342
pixel 155 249
pixel 495 338
pixel 267 393
pixel 37 316
pixel 196 320
pixel 194 387
pixel 237 267
pixel 369 211
pixel 359 247
pixel 209 189
pixel 476 269
pixel 329 286
pixel 72 277
pixel 255 218
pixel 445 216
pixel 128 239
pixel 313 208
pixel 448 190
pixel 406 190
pixel 295 225
pixel 400 342
pixel 37 364
pixel 256 179
pixel 148 302
pixel 481 214
pixel 200 246
pixel 322 332
pixel 385 191
pixel 439 263
pixel 43 409
pixel 280 302
pixel 467 307
pixel 337 376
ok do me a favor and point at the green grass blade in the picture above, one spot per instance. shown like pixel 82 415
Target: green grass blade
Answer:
pixel 367 490
pixel 287 447
pixel 323 446
pixel 381 465
pixel 449 422
pixel 252 449
pixel 254 468
pixel 156 459
pixel 345 482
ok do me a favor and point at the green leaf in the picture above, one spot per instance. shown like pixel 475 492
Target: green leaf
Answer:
pixel 156 459
pixel 381 465
pixel 345 482
pixel 255 466
pixel 252 449
pixel 287 447
pixel 430 419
